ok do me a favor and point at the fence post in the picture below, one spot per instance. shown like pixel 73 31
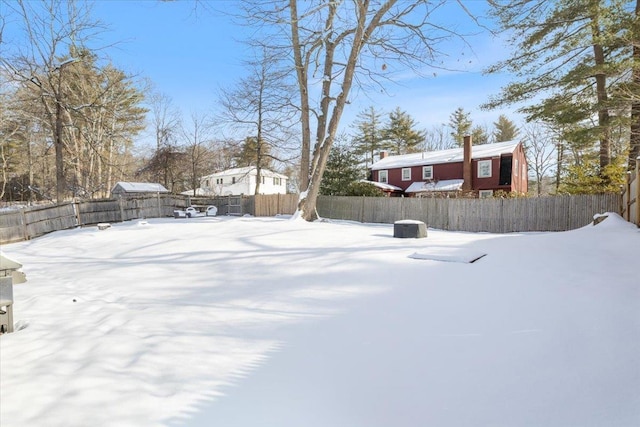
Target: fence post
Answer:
pixel 626 208
pixel 76 210
pixel 25 232
pixel 121 208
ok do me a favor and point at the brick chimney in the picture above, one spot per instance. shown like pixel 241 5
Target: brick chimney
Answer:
pixel 467 185
pixel 384 154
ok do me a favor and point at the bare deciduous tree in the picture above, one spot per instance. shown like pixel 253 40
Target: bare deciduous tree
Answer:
pixel 197 139
pixel 540 144
pixel 334 45
pixel 165 119
pixel 259 110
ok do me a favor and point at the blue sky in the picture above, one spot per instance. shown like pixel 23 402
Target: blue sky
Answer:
pixel 188 51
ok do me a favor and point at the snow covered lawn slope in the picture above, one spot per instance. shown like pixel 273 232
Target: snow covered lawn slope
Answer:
pixel 274 322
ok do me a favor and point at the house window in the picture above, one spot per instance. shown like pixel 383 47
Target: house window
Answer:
pixel 483 194
pixel 219 180
pixel 524 170
pixel 515 170
pixel 484 169
pixel 406 174
pixel 383 176
pixel 233 179
pixel 427 172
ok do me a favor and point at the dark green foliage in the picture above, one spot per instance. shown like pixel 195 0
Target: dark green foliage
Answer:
pixel 360 188
pixel 571 58
pixel 342 171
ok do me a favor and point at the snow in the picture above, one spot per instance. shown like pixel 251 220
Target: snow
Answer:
pixel 443 185
pixel 445 156
pixel 382 185
pixel 139 187
pixel 448 254
pixel 242 321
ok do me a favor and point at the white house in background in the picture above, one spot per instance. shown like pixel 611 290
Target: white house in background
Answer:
pixel 237 181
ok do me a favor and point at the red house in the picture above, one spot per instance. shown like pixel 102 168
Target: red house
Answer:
pixel 481 169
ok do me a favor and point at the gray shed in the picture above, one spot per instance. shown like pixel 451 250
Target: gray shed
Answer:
pixel 123 188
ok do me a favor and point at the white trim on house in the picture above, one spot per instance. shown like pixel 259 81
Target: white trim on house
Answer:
pixel 484 194
pixel 385 174
pixel 484 168
pixel 427 172
pixel 406 174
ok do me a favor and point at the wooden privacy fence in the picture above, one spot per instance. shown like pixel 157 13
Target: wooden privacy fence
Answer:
pixel 271 205
pixel 553 213
pixel 631 196
pixel 30 222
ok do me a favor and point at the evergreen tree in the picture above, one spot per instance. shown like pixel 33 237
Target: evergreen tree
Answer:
pixel 368 141
pixel 342 170
pixel 460 125
pixel 571 53
pixel 504 129
pixel 479 135
pixel 251 151
pixel 400 134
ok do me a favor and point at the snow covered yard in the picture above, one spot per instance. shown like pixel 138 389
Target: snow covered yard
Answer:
pixel 274 322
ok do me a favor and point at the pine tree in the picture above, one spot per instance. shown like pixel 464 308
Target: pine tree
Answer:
pixel 460 125
pixel 505 129
pixel 342 170
pixel 368 141
pixel 400 134
pixel 479 135
pixel 571 53
pixel 251 151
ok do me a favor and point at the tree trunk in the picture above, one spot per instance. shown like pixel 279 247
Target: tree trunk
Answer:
pixel 604 119
pixel 305 109
pixel 59 148
pixel 326 134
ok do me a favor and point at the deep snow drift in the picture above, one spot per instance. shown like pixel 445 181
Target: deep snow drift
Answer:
pixel 276 322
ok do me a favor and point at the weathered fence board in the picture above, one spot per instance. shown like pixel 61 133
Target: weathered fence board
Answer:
pixel 12 227
pixel 494 215
pixel 557 213
pixel 277 204
pixel 40 221
pixel 97 211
